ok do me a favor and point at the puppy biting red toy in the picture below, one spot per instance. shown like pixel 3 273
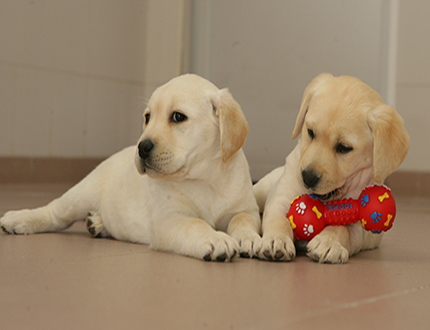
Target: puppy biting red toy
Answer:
pixel 375 208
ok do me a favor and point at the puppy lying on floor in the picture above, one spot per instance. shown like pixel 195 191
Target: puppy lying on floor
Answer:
pixel 182 189
pixel 349 140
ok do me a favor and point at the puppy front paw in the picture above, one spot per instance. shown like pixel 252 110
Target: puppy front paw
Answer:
pixel 220 247
pixel 249 243
pixel 324 249
pixel 277 247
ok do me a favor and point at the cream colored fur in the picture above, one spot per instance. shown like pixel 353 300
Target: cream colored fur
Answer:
pixel 337 114
pixel 193 195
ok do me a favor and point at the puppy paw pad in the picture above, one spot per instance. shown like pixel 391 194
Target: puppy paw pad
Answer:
pixel 244 255
pixel 222 257
pixel 279 255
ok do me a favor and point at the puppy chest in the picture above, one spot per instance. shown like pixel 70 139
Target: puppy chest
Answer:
pixel 215 211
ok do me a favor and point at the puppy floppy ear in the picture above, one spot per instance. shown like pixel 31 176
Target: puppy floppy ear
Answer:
pixel 232 122
pixel 390 140
pixel 306 100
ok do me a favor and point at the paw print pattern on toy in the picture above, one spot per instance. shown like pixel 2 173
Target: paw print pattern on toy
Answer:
pixel 300 208
pixel 308 230
pixel 376 217
pixel 365 200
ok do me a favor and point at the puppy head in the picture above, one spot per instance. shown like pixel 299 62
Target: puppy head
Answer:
pixel 189 126
pixel 350 138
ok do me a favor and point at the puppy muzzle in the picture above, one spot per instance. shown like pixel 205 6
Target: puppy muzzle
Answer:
pixel 311 179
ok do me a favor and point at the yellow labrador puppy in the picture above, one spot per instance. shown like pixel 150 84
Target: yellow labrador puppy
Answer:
pixel 349 139
pixel 181 189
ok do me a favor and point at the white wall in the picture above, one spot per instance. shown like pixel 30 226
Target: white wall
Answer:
pixel 75 75
pixel 267 53
pixel 413 80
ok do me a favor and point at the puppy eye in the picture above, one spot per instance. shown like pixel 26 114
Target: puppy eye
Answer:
pixel 147 117
pixel 343 149
pixel 311 133
pixel 178 117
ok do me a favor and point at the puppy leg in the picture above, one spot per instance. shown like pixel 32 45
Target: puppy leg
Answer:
pixel 263 187
pixel 371 241
pixel 53 217
pixel 58 214
pixel 192 237
pixel 278 239
pixel 335 244
pixel 245 228
pixel 330 246
pixel 31 221
pixel 277 243
pixel 95 226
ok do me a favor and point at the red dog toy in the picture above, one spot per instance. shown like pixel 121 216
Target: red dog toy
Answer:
pixel 375 208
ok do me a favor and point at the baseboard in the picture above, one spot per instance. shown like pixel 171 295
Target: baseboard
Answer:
pixel 72 170
pixel 45 170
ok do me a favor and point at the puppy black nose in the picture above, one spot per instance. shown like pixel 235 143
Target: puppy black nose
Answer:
pixel 310 178
pixel 145 147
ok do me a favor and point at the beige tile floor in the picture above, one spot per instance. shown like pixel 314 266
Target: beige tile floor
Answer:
pixel 69 280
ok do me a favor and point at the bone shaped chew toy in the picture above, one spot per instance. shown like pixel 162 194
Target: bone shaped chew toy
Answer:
pixel 375 208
